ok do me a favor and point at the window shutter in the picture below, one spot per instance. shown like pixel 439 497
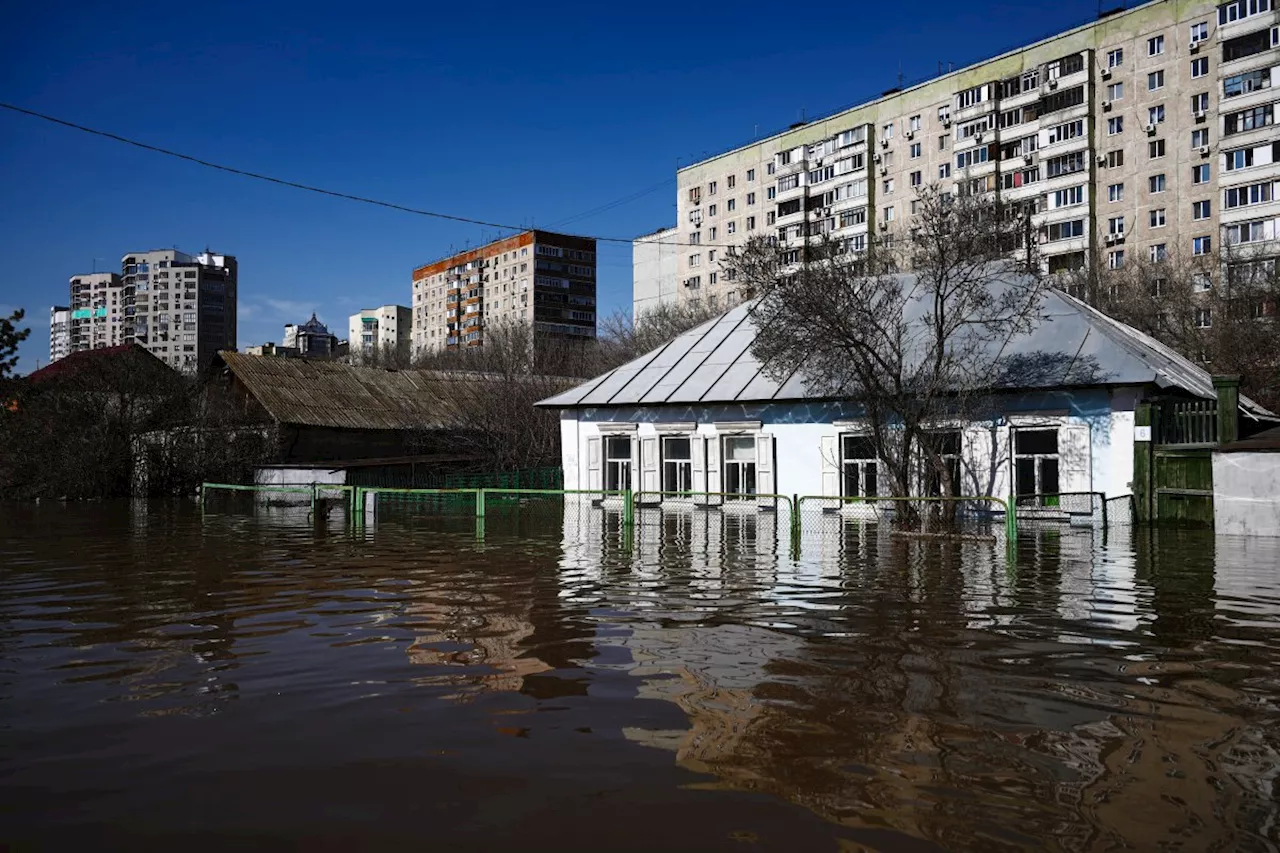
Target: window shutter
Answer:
pixel 649 481
pixel 595 449
pixel 1075 463
pixel 765 484
pixel 698 454
pixel 713 465
pixel 830 466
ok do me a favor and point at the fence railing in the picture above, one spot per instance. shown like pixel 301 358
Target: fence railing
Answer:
pixel 964 507
pixel 1187 422
pixel 315 492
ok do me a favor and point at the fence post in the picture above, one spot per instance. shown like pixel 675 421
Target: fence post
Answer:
pixel 1144 415
pixel 628 508
pixel 313 499
pixel 1011 522
pixel 1228 388
pixel 1103 495
pixel 479 503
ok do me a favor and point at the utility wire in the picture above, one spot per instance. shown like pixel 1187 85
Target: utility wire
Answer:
pixel 155 149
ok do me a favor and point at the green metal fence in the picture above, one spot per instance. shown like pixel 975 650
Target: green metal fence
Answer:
pixel 936 514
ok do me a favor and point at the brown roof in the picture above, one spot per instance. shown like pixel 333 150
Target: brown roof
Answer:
pixel 89 360
pixel 1265 441
pixel 307 392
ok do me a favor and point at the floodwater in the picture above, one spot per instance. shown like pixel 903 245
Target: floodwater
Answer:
pixel 256 681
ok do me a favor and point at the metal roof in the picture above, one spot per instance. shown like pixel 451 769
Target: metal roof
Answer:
pixel 1268 442
pixel 329 394
pixel 1070 344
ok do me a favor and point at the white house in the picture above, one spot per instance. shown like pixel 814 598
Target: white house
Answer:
pixel 700 414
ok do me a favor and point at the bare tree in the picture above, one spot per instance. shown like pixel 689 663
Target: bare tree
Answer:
pixel 910 349
pixel 391 356
pixel 623 337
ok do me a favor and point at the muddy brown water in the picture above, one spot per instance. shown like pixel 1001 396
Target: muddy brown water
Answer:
pixel 252 680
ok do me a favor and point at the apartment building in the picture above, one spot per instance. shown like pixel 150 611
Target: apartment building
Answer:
pixel 180 307
pixel 1146 133
pixel 96 311
pixel 538 278
pixel 59 332
pixel 654 265
pixel 389 327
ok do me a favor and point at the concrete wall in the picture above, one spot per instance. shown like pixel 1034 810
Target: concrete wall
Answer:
pixel 1246 493
pixel 1095 439
pixel 653 270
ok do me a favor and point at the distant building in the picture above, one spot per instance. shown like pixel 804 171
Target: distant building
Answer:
pixel 653 270
pixel 270 348
pixel 389 327
pixel 181 307
pixel 59 332
pixel 536 278
pixel 312 339
pixel 96 312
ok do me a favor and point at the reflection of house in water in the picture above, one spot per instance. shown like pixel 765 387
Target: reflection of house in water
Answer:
pixel 925 689
pixel 475 645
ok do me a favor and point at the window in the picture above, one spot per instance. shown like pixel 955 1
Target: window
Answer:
pixel 739 465
pixel 1249 232
pixel 1200 174
pixel 1239 9
pixel 858 467
pixel 1115 259
pixel 1247 195
pixel 1068 197
pixel 770 168
pixel 771 193
pixel 711 188
pixel 713 209
pixel 1249 44
pixel 1035 457
pixel 732 204
pixel 1157 183
pixel 1115 158
pixel 1155 115
pixel 1200 138
pixel 1115 125
pixel 770 217
pixel 1115 192
pixel 1204 318
pixel 944 171
pixel 617 463
pixel 731 181
pixel 853 217
pixel 1201 282
pixel 751 175
pixel 751 199
pixel 695 260
pixel 917 178
pixel 1063 132
pixel 1241 158
pixel 1065 165
pixel 1201 245
pixel 1066 230
pixel 888 213
pixel 1200 103
pixel 1115 91
pixel 1157 218
pixel 677 464
pixel 886 132
pixel 1159 252
pixel 1201 209
pixel 1248 119
pixel 1200 31
pixel 1115 58
pixel 1155 148
pixel 947 446
pixel 713 232
pixel 1243 84
pixel 1115 226
pixel 1155 46
pixel 913 123
pixel 1155 80
pixel 942 141
pixel 916 150
pixel 751 223
pixel 888 186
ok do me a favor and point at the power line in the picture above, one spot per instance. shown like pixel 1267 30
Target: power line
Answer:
pixel 155 149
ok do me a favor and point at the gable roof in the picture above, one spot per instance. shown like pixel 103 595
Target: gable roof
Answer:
pixel 308 392
pixel 1070 345
pixel 91 362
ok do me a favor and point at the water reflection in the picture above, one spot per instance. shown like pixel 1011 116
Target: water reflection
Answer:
pixel 1103 691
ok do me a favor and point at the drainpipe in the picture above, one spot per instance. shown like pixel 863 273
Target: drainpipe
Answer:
pixel 1228 389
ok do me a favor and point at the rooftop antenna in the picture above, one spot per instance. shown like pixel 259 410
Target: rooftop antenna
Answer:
pixel 755 131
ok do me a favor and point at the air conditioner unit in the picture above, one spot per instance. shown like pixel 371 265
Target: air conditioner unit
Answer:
pixel 1204 150
pixel 1053 84
pixel 884 226
pixel 977 137
pixel 1200 115
pixel 946 122
pixel 1106 106
pixel 1110 238
pixel 884 143
pixel 1028 158
pixel 826 211
pixel 884 170
pixel 1151 127
pixel 1194 46
pixel 911 134
pixel 1102 159
pixel 1106 74
pixel 876 159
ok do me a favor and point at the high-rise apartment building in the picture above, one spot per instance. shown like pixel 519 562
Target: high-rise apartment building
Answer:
pixel 1150 132
pixel 389 327
pixel 181 307
pixel 654 262
pixel 537 278
pixel 96 311
pixel 59 332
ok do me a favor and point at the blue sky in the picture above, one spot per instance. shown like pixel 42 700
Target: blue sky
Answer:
pixel 512 113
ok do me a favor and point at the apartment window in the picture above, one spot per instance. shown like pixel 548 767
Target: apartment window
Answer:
pixel 1155 148
pixel 1155 80
pixel 888 213
pixel 1115 159
pixel 1247 195
pixel 1115 125
pixel 858 467
pixel 731 205
pixel 1199 31
pixel 751 175
pixel 887 131
pixel 731 227
pixel 770 168
pixel 714 209
pixel 1115 91
pixel 1239 159
pixel 1036 465
pixel 751 223
pixel 695 238
pixel 1200 138
pixel 695 260
pixel 1115 192
pixel 1239 9
pixel 1201 245
pixel 731 181
pixel 1200 103
pixel 1155 46
pixel 1066 230
pixel 771 193
pixel 1115 58
pixel 1068 197
pixel 770 217
pixel 1155 115
pixel 1201 282
pixel 942 141
pixel 677 464
pixel 1200 174
pixel 617 463
pixel 944 171
pixel 1065 165
pixel 713 230
pixel 913 123
pixel 1115 226
pixel 917 178
pixel 1159 252
pixel 1115 259
pixel 1063 132
pixel 1157 183
pixel 1249 232
pixel 711 256
pixel 711 188
pixel 916 150
pixel 1246 45
pixel 1204 318
pixel 751 199
pixel 1199 67
pixel 1157 218
pixel 1248 119
pixel 1201 209
pixel 739 465
pixel 888 186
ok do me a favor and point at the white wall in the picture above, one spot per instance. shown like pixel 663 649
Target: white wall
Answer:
pixel 298 476
pixel 1246 493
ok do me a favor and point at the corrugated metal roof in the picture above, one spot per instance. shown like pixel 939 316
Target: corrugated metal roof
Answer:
pixel 329 394
pixel 1268 441
pixel 1070 344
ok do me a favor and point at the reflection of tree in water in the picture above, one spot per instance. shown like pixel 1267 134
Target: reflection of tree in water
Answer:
pixel 1012 739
